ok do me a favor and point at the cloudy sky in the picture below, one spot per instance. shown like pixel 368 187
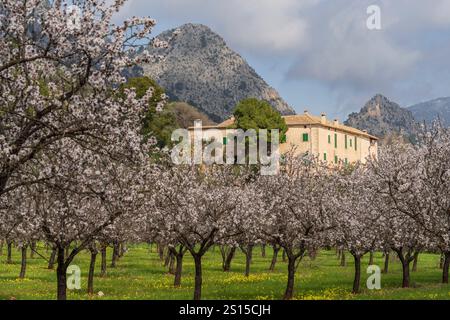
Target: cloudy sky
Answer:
pixel 319 54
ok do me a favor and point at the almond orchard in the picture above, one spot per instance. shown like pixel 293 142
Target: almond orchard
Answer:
pixel 79 179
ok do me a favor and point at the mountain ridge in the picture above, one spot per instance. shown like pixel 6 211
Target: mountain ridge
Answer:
pixel 384 118
pixel 200 69
pixel 431 110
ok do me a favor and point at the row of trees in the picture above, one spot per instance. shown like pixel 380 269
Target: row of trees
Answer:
pixel 398 202
pixel 75 171
pixel 72 157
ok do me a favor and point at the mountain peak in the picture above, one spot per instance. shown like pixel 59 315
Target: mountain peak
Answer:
pixel 195 26
pixel 200 69
pixel 383 117
pixel 379 98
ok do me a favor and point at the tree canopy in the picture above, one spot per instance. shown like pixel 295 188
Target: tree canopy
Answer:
pixel 258 114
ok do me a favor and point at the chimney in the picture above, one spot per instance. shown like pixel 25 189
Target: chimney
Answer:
pixel 365 131
pixel 336 122
pixel 306 112
pixel 323 118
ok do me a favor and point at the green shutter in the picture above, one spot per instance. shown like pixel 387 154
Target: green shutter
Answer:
pixel 305 137
pixel 336 160
pixel 335 140
pixel 345 141
pixel 329 139
pixel 351 141
pixel 324 157
pixel 356 143
pixel 346 161
pixel 225 140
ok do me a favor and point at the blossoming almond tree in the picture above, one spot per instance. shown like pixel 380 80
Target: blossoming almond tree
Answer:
pixel 60 69
pixel 296 215
pixel 17 225
pixel 85 194
pixel 197 206
pixel 434 155
pixel 398 180
pixel 357 214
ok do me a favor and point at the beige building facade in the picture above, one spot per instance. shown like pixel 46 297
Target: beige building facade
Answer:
pixel 330 141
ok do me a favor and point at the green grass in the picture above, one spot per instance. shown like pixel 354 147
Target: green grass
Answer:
pixel 141 275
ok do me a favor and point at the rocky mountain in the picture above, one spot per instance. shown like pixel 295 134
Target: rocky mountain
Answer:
pixel 384 118
pixel 431 110
pixel 200 69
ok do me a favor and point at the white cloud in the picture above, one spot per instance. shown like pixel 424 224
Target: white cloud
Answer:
pixel 254 25
pixel 417 14
pixel 326 44
pixel 345 51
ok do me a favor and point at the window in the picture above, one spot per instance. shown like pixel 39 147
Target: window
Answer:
pixel 346 142
pixel 335 140
pixel 356 143
pixel 329 139
pixel 351 143
pixel 346 161
pixel 336 160
pixel 324 157
pixel 225 140
pixel 284 139
pixel 305 137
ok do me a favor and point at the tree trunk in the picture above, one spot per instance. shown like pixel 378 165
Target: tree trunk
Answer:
pixel 343 263
pixel 161 252
pixel 198 277
pixel 386 262
pixel 178 270
pixel 67 252
pixel 445 268
pixel 51 262
pixel 416 259
pixel 103 264
pixel 289 293
pixel 406 277
pixel 371 258
pixel 115 255
pixel 91 272
pixel 357 279
pixel 172 264
pixel 61 275
pixel 33 249
pixel 9 257
pixel 229 258
pixel 276 249
pixel 405 261
pixel 263 251
pixel 248 259
pixel 23 265
pixel 121 250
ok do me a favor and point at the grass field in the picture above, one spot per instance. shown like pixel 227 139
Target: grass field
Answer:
pixel 141 275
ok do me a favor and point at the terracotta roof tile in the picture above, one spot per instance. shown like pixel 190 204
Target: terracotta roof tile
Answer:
pixel 306 119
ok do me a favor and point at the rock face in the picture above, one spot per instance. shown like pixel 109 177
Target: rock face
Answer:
pixel 431 110
pixel 383 118
pixel 200 69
